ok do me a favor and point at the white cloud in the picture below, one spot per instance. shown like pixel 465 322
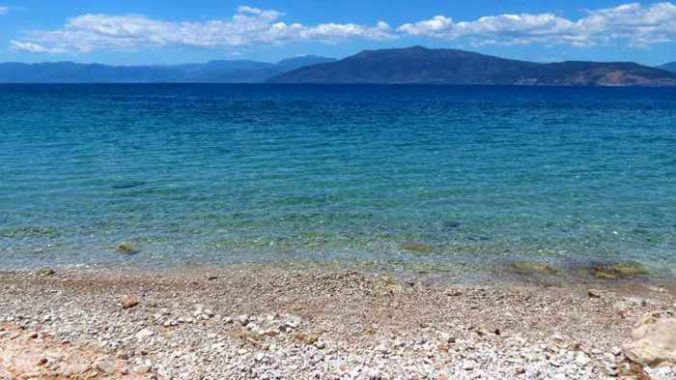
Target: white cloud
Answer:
pixel 633 23
pixel 3 10
pixel 34 48
pixel 248 26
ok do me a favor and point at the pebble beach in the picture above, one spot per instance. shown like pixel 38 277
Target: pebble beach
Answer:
pixel 265 322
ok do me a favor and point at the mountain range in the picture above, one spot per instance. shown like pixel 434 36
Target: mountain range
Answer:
pixel 235 71
pixel 671 66
pixel 448 66
pixel 413 65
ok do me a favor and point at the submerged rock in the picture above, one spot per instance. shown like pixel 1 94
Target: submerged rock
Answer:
pixel 127 185
pixel 44 272
pixel 529 267
pixel 415 246
pixel 619 271
pixel 29 232
pixel 653 342
pixel 126 248
pixel 477 238
pixel 451 224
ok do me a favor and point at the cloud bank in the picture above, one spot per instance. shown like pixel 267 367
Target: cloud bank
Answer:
pixel 249 26
pixel 632 24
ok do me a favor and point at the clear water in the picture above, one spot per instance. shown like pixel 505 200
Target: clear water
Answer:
pixel 256 173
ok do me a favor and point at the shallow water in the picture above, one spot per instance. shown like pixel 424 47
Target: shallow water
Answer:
pixel 386 175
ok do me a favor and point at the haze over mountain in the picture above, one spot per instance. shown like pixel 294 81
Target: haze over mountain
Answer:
pixel 390 66
pixel 448 66
pixel 671 66
pixel 222 71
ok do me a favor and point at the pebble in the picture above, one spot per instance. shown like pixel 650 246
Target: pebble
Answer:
pixel 469 365
pixel 581 359
pixel 45 272
pixel 106 365
pixel 129 301
pixel 285 346
pixel 142 369
pixel 144 334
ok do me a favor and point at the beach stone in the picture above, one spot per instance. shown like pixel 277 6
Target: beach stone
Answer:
pixel 597 293
pixel 308 339
pixel 293 322
pixel 106 365
pixel 243 319
pixel 446 337
pixel 469 365
pixel 44 272
pixel 629 303
pixel 661 373
pixel 619 271
pixel 653 342
pixel 126 248
pixel 268 332
pixel 129 301
pixel 144 334
pixel 415 246
pixel 142 369
pixel 581 359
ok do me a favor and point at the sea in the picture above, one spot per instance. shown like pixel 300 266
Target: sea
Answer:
pixel 461 179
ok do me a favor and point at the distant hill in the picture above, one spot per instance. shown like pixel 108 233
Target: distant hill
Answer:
pixel 307 60
pixel 447 66
pixel 671 66
pixel 240 71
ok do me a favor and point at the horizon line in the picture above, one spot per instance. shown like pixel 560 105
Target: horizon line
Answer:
pixel 320 56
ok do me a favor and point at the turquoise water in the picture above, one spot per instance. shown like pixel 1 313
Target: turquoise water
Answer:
pixel 255 173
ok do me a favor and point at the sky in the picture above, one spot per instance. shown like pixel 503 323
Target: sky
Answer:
pixel 129 32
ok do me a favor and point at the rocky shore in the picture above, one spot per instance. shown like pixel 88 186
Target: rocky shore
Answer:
pixel 260 322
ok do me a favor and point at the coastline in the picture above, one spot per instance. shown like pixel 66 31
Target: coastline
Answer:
pixel 263 321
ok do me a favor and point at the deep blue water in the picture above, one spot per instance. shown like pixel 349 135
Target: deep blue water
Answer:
pixel 258 173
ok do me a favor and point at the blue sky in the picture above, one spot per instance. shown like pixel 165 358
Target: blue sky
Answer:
pixel 165 31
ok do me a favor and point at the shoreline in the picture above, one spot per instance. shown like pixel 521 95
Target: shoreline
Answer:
pixel 623 275
pixel 262 321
